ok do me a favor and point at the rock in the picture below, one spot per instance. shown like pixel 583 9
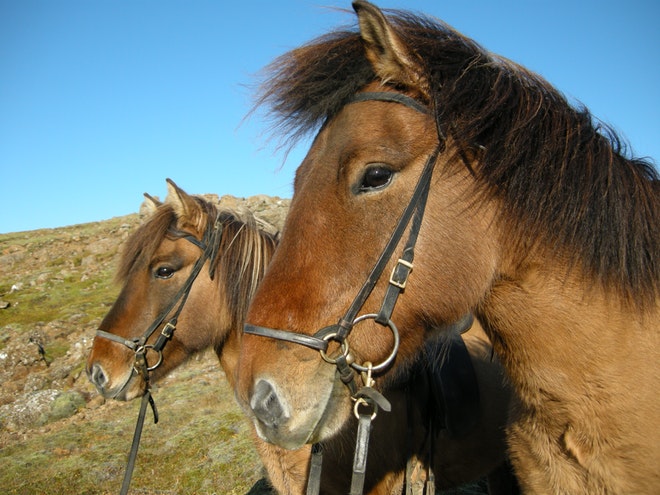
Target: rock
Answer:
pixel 26 411
pixel 63 406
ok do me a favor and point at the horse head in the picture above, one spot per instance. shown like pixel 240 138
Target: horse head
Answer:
pixel 518 208
pixel 168 294
pixel 351 188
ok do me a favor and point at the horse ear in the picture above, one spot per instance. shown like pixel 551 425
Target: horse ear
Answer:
pixel 390 58
pixel 148 206
pixel 185 207
pixel 151 204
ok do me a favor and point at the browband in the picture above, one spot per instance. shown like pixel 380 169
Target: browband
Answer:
pixel 391 97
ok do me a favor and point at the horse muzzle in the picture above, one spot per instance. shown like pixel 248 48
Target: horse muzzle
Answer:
pixel 318 412
pixel 124 388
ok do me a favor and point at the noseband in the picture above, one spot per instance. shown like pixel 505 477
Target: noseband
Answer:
pixel 339 332
pixel 209 245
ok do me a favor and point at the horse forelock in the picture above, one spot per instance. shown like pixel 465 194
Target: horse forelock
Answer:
pixel 142 244
pixel 564 178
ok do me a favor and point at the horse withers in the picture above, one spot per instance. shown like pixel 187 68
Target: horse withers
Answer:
pixel 517 208
pixel 155 270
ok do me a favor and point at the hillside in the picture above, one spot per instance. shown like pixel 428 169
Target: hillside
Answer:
pixel 57 435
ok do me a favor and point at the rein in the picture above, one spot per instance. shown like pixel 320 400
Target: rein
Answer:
pixel 209 246
pixel 339 332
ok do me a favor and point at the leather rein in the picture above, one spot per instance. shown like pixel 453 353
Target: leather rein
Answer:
pixel 209 245
pixel 346 366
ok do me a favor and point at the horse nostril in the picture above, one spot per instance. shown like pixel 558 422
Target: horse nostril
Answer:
pixel 266 405
pixel 97 376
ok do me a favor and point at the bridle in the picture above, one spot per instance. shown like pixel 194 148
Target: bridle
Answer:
pixel 346 366
pixel 209 245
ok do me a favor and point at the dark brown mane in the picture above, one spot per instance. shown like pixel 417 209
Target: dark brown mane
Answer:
pixel 564 179
pixel 243 254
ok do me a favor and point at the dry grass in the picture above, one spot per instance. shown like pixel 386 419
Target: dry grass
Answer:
pixel 201 445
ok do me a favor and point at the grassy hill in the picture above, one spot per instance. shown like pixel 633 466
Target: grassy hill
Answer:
pixel 57 435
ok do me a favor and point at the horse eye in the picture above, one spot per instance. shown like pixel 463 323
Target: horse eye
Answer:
pixel 164 272
pixel 376 178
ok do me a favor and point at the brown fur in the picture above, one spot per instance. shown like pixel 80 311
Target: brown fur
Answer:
pixel 214 315
pixel 536 221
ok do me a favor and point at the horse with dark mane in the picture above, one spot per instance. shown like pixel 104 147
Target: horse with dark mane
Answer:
pixel 518 208
pixel 162 277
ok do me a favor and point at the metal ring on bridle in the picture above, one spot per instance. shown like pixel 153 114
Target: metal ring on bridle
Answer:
pixel 344 349
pixel 395 347
pixel 143 350
pixel 361 401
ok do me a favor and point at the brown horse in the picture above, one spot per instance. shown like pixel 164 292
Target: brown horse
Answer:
pixel 157 260
pixel 535 221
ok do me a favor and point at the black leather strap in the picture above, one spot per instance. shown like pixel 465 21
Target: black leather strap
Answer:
pixel 146 399
pixel 315 464
pixel 392 97
pixel 297 338
pixel 360 455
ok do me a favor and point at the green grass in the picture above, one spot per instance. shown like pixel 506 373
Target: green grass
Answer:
pixel 56 285
pixel 201 445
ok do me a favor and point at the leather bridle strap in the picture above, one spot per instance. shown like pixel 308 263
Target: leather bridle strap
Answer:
pixel 415 205
pixel 146 399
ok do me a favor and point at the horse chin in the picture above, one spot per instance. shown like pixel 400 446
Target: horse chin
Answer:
pixel 127 390
pixel 334 417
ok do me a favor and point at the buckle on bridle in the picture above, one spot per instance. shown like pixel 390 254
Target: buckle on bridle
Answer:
pixel 399 277
pixel 168 330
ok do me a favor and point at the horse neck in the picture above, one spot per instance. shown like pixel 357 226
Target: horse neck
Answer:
pixel 546 318
pixel 585 369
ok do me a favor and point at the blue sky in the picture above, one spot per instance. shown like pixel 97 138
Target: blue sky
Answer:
pixel 102 100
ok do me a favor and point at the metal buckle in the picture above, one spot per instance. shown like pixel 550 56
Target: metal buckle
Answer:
pixel 396 283
pixel 168 330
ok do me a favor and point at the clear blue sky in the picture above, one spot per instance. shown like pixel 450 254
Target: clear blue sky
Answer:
pixel 102 100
